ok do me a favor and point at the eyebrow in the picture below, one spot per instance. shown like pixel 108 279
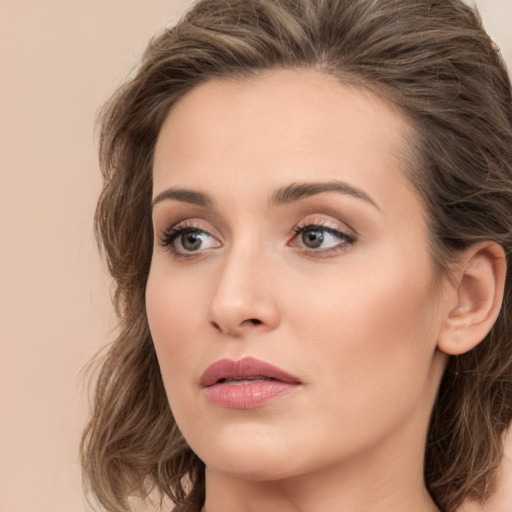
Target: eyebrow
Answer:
pixel 185 196
pixel 285 195
pixel 298 191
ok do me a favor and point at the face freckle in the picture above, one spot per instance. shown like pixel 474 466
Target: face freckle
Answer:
pixel 350 309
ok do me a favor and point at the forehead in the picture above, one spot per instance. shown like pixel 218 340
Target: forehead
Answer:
pixel 280 127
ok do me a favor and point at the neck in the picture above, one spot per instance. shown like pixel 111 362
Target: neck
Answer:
pixel 377 482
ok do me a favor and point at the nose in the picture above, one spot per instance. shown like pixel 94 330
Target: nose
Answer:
pixel 245 297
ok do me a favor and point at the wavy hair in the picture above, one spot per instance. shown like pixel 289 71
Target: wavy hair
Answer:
pixel 432 59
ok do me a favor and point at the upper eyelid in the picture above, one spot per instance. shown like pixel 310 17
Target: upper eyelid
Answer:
pixel 321 219
pixel 325 227
pixel 192 224
pixel 320 223
pixel 334 224
pixel 164 222
pixel 187 223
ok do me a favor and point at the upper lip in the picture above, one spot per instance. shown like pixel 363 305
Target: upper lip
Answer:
pixel 245 368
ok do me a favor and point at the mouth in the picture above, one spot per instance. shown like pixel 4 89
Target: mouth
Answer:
pixel 246 383
pixel 243 382
pixel 246 370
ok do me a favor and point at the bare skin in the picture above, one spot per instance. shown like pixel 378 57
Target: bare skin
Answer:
pixel 258 254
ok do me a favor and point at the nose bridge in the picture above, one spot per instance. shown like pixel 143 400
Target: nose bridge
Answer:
pixel 244 296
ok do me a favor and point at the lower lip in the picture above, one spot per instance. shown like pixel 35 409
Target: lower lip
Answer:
pixel 250 395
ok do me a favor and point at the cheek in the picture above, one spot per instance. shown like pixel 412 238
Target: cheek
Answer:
pixel 374 335
pixel 175 300
pixel 173 311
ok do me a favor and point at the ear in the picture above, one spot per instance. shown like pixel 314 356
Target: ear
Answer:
pixel 479 288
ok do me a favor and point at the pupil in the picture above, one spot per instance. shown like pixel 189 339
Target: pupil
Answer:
pixel 191 241
pixel 313 238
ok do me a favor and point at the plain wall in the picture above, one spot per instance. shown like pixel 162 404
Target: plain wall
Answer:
pixel 59 60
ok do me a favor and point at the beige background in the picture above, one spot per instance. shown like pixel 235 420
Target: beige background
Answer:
pixel 58 61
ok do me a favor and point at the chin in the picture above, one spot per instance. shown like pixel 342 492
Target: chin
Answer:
pixel 247 453
pixel 256 468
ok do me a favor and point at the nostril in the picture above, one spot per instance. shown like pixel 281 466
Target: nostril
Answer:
pixel 226 328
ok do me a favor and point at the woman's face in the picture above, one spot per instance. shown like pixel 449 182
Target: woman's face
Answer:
pixel 287 233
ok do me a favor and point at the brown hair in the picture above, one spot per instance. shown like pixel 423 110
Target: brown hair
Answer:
pixel 433 59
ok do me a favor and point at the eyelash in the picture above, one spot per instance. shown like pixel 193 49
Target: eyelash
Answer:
pixel 169 236
pixel 346 241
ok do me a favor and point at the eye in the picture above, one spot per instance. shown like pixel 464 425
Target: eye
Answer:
pixel 185 240
pixel 321 238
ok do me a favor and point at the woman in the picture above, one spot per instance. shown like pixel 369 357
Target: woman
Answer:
pixel 306 212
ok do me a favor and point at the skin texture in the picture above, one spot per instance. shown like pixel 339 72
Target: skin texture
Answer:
pixel 359 320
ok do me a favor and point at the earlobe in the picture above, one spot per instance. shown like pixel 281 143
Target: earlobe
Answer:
pixel 479 295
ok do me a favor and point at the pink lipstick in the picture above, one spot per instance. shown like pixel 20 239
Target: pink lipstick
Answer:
pixel 247 383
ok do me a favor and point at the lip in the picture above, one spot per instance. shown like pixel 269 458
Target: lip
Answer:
pixel 246 383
